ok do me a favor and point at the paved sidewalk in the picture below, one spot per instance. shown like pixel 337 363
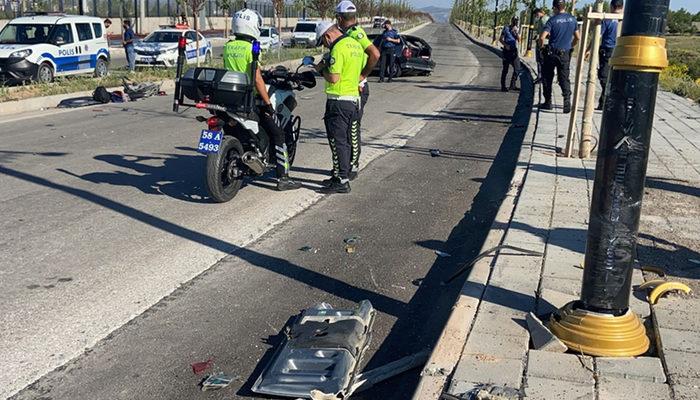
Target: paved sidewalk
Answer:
pixel 551 197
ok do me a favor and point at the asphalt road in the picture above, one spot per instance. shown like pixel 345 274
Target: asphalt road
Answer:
pixel 117 271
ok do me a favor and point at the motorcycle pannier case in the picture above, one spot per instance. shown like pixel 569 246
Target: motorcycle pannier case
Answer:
pixel 217 86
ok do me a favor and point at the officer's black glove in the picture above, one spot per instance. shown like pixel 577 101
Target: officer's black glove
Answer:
pixel 267 109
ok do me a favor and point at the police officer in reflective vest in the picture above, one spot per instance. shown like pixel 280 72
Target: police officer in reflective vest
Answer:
pixel 346 13
pixel 608 40
pixel 563 33
pixel 341 69
pixel 238 56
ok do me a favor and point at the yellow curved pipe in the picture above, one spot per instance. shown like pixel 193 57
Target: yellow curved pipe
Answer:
pixel 665 288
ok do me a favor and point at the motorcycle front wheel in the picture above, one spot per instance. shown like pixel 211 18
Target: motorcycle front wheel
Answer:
pixel 292 137
pixel 225 170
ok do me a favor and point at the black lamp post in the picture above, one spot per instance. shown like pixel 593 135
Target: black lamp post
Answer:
pixel 601 323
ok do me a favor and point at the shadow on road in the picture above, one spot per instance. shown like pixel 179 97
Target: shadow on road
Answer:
pixel 179 176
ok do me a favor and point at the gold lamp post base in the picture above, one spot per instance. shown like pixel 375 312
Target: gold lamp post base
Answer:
pixel 599 334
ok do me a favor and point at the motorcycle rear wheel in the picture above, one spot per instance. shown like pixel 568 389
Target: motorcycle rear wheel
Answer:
pixel 225 170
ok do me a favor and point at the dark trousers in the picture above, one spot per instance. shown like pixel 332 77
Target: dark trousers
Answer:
pixel 604 69
pixel 538 59
pixel 341 120
pixel 510 57
pixel 356 135
pixel 278 147
pixel 559 60
pixel 386 63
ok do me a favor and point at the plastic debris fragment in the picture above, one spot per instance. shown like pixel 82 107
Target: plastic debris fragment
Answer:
pixel 216 382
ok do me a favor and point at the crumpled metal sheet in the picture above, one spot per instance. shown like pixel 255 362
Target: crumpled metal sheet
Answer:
pixel 321 355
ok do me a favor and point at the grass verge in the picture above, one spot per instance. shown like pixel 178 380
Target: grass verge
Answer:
pixel 73 84
pixel 682 76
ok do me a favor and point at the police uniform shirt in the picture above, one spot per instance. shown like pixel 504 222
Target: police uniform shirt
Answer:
pixel 608 33
pixel 356 32
pixel 561 28
pixel 390 34
pixel 346 61
pixel 509 36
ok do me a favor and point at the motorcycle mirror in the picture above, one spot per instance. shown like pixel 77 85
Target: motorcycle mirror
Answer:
pixel 308 60
pixel 308 79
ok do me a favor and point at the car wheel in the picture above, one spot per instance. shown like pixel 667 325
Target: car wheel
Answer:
pixel 44 74
pixel 397 70
pixel 101 68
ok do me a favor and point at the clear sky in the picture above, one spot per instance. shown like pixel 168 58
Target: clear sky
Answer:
pixel 690 5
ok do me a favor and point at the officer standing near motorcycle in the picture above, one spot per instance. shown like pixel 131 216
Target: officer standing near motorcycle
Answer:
pixel 238 56
pixel 346 13
pixel 509 39
pixel 563 33
pixel 341 69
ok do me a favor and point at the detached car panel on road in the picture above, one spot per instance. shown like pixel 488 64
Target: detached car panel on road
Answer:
pixel 42 47
pixel 160 48
pixel 413 56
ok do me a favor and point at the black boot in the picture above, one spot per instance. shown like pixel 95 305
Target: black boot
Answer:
pixel 286 183
pixel 567 106
pixel 336 185
pixel 353 173
pixel 547 105
pixel 504 89
pixel 601 103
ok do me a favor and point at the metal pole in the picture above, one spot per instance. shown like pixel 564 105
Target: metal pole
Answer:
pixel 569 149
pixel 584 148
pixel 625 136
pixel 495 21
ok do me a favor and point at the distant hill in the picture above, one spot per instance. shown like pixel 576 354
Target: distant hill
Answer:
pixel 439 14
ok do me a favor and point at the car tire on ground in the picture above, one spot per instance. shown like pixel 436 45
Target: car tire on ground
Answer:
pixel 44 74
pixel 397 70
pixel 101 68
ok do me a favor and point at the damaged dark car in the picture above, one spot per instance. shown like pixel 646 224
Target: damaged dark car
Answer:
pixel 413 57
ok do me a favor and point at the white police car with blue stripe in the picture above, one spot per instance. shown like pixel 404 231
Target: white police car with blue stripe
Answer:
pixel 40 47
pixel 160 47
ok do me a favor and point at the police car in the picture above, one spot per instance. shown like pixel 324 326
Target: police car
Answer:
pixel 40 47
pixel 270 38
pixel 160 47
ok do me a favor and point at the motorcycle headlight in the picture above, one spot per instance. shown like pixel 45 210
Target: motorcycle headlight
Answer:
pixel 21 53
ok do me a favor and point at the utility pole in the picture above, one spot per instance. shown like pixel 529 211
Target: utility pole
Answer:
pixel 495 21
pixel 601 323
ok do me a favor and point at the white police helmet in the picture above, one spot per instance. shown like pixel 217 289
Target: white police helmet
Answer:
pixel 247 22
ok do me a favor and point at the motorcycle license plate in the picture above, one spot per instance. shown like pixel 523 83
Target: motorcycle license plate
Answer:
pixel 209 141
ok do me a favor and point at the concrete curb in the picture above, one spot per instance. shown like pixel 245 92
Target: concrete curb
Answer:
pixel 43 103
pixel 444 357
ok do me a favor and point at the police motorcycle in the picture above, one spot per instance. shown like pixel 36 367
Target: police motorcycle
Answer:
pixel 235 144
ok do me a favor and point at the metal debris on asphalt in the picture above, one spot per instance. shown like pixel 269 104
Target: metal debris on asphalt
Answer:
pixel 442 253
pixel 351 239
pixel 216 382
pixel 309 249
pixel 350 248
pixel 435 152
pixel 200 367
